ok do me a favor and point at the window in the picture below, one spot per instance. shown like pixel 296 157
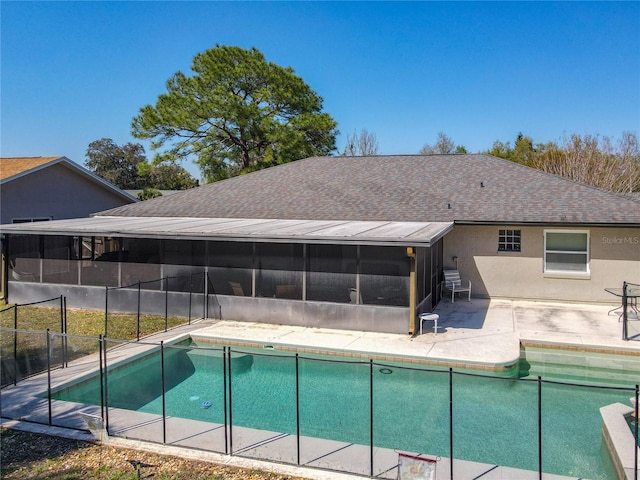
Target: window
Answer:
pixel 566 251
pixel 509 240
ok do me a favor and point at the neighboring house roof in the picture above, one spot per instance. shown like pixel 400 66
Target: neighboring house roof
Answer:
pixel 473 188
pixel 13 168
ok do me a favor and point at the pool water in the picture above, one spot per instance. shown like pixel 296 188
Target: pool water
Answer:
pixel 495 419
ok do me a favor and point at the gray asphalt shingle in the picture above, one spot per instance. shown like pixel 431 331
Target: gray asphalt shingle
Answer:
pixel 415 188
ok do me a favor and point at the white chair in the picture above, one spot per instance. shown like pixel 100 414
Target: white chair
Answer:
pixel 429 317
pixel 453 283
pixel 354 297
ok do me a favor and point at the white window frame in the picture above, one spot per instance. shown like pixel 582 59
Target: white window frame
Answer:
pixel 568 272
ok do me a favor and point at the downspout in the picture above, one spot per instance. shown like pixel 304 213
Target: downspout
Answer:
pixel 413 287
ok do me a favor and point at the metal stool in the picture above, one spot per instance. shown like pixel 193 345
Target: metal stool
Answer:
pixel 432 317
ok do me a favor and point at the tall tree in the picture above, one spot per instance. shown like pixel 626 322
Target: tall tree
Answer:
pixel 590 159
pixel 522 152
pixel 127 167
pixel 166 177
pixel 593 160
pixel 236 113
pixel 444 145
pixel 116 164
pixel 363 143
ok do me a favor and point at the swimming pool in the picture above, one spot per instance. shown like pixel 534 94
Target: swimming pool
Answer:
pixel 495 419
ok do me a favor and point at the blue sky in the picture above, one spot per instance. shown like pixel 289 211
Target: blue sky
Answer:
pixel 74 72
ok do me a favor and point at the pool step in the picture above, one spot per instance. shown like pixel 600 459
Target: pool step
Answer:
pixel 580 367
pixel 240 362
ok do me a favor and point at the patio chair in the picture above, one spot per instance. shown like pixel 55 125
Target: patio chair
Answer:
pixel 354 297
pixel 237 289
pixel 286 291
pixel 453 283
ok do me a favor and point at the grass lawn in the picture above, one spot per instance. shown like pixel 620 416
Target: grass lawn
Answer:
pixel 121 326
pixel 29 344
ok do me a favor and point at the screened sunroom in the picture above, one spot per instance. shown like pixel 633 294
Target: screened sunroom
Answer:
pixel 338 274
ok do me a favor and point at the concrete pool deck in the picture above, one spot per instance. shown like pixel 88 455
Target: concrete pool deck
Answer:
pixel 483 333
pixel 479 334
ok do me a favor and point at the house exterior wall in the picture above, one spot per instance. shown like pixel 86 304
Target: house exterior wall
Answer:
pixel 54 192
pixel 614 257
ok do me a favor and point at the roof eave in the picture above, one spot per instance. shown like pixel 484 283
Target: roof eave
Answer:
pixel 79 169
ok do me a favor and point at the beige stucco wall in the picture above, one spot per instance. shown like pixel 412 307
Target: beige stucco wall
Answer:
pixel 614 257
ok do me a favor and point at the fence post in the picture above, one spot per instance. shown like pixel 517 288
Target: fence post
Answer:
pixel 106 310
pixel 224 396
pixel 166 304
pixel 65 338
pixel 62 338
pixel 540 427
pixel 451 422
pixel 298 409
pixel 637 409
pixel 106 384
pixel 371 417
pixel 164 406
pixel 138 335
pixel 101 378
pixel 205 289
pixel 624 311
pixel 61 315
pixel 49 374
pixel 190 295
pixel 230 402
pixel 15 345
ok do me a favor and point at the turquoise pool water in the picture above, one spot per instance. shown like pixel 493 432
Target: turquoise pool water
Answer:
pixel 495 419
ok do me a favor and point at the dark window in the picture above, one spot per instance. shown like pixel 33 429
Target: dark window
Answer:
pixel 509 240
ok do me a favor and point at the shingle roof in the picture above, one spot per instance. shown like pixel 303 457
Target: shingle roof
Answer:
pixel 10 166
pixel 14 168
pixel 431 188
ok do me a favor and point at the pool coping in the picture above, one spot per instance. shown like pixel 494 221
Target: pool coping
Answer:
pixel 416 350
pixel 619 439
pixel 581 347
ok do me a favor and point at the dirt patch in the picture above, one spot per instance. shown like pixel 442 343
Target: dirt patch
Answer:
pixel 38 456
